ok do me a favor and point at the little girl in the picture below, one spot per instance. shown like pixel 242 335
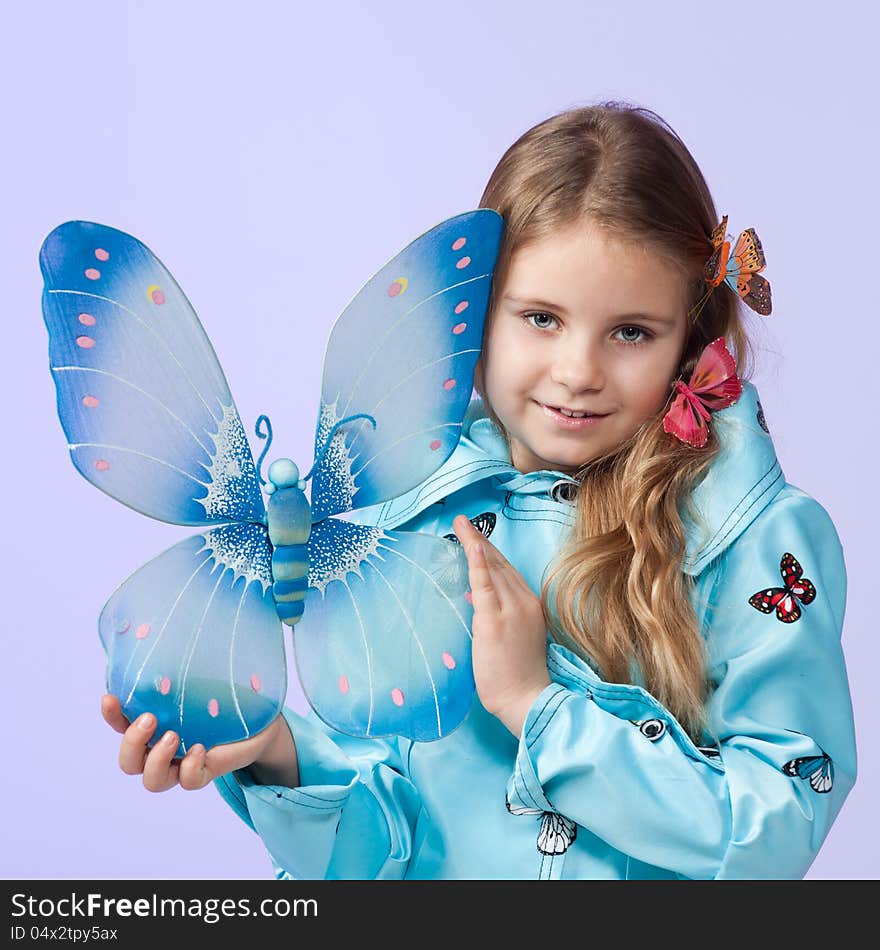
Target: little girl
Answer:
pixel 661 691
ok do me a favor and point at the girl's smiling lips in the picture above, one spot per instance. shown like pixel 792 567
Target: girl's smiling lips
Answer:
pixel 571 422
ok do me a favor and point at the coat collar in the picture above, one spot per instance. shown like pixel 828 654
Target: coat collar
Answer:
pixel 742 480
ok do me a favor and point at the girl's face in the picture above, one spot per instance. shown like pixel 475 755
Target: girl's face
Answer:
pixel 584 323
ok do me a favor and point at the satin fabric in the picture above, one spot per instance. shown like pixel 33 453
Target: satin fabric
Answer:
pixel 602 782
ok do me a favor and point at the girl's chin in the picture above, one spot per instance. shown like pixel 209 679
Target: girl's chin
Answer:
pixel 569 464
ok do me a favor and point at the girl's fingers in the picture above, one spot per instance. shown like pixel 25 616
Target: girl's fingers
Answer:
pixel 469 536
pixel 194 771
pixel 504 575
pixel 483 592
pixel 111 710
pixel 133 750
pixel 160 769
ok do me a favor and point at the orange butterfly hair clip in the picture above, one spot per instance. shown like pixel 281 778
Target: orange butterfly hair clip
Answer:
pixel 739 269
pixel 713 385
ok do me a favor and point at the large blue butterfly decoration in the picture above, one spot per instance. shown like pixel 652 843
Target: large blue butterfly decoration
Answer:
pixel 381 623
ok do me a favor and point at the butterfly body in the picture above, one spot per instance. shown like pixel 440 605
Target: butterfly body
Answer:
pixel 289 518
pixel 195 636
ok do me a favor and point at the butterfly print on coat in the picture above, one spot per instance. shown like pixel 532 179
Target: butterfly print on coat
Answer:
pixel 786 600
pixel 819 769
pixel 484 523
pixel 556 832
pixel 762 421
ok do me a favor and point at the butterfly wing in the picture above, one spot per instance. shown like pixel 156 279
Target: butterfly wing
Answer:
pixel 818 769
pixel 767 600
pixel 483 522
pixel 142 399
pixel 556 834
pixel 743 273
pixel 522 809
pixel 714 379
pixel 792 574
pixel 716 265
pixel 193 637
pixel 779 599
pixel 383 647
pixel 755 291
pixel 822 778
pixel 685 423
pixel 749 252
pixel 404 351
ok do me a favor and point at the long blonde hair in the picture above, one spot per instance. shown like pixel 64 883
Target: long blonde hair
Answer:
pixel 617 594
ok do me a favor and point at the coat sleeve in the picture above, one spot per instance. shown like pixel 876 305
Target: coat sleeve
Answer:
pixel 352 817
pixel 759 803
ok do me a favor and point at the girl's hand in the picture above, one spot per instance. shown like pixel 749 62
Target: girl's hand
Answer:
pixel 510 632
pixel 271 754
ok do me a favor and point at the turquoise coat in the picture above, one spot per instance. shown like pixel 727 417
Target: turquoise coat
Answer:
pixel 603 782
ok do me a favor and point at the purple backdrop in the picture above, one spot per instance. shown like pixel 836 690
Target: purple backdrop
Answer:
pixel 274 155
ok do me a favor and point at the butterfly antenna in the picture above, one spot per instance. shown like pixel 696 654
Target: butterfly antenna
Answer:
pixel 697 309
pixel 267 434
pixel 329 439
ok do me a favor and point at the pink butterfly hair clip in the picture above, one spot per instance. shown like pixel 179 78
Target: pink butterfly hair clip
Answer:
pixel 713 385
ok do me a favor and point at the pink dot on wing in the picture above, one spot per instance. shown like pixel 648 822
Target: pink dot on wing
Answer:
pixel 87 320
pixel 101 254
pixel 448 661
pixel 463 262
pixel 256 685
pixel 459 244
pixel 397 696
pixel 435 445
pixel 92 273
pixel 469 597
pixel 461 306
pixel 213 708
pixel 459 328
pixel 85 342
pixel 158 297
pixel 164 685
pixel 142 631
pixel 102 465
pixel 449 384
pixel 343 684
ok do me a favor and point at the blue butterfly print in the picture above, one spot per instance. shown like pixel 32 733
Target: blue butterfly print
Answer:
pixel 483 522
pixel 819 769
pixel 380 623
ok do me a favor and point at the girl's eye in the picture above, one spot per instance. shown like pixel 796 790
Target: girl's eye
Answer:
pixel 633 335
pixel 543 321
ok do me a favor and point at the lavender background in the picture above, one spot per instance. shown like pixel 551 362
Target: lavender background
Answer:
pixel 274 156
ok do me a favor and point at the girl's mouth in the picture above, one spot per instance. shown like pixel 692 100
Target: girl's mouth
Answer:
pixel 569 419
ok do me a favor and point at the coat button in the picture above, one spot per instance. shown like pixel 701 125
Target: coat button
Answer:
pixel 564 491
pixel 653 729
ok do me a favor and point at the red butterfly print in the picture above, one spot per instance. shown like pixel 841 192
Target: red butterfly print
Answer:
pixel 785 599
pixel 713 385
pixel 740 269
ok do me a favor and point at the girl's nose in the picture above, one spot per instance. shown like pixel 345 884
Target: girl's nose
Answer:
pixel 577 368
